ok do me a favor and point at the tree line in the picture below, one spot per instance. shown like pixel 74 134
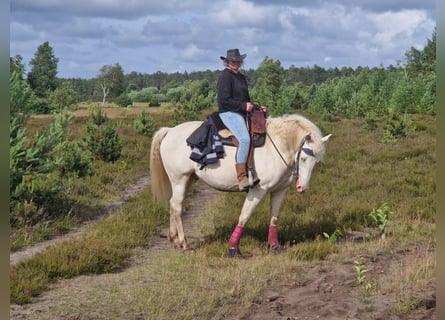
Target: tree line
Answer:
pixel 407 87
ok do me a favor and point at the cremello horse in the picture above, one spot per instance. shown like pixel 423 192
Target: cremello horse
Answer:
pixel 292 148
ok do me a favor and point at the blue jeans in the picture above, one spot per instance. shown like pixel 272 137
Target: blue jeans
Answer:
pixel 237 125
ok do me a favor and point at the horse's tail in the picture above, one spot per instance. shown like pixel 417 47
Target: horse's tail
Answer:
pixel 160 183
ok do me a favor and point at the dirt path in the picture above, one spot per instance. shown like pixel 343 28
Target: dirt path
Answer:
pixel 29 251
pixel 199 197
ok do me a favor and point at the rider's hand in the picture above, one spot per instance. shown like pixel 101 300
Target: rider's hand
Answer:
pixel 249 106
pixel 264 109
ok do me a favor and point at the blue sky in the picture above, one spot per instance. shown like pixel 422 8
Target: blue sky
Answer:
pixel 171 35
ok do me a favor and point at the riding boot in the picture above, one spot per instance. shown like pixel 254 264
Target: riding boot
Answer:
pixel 243 181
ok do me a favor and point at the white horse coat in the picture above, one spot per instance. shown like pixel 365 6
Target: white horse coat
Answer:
pixel 293 142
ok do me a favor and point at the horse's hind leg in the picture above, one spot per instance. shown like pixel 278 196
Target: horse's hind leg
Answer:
pixel 176 207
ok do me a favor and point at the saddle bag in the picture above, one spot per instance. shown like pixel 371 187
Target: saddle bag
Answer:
pixel 257 125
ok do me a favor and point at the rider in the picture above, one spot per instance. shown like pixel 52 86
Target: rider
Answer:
pixel 233 105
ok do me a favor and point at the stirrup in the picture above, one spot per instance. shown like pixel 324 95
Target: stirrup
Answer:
pixel 253 179
pixel 255 182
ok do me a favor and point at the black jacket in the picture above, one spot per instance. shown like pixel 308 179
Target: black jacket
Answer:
pixel 206 145
pixel 233 92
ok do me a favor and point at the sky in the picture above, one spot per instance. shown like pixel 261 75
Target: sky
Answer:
pixel 147 36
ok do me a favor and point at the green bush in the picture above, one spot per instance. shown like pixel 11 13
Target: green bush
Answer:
pixel 123 100
pixel 104 142
pixel 397 126
pixel 35 183
pixel 70 157
pixel 144 124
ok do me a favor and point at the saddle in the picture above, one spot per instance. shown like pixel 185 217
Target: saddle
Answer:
pixel 256 123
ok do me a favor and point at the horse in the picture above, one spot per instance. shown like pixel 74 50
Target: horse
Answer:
pixel 292 147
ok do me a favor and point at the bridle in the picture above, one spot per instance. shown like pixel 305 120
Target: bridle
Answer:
pixel 308 151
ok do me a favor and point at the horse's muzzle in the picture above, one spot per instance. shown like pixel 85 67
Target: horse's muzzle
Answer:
pixel 301 187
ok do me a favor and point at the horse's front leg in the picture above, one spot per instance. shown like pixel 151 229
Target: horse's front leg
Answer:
pixel 252 200
pixel 276 200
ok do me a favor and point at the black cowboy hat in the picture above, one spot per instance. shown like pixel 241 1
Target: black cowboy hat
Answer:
pixel 234 55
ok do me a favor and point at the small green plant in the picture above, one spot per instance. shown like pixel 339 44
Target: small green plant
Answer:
pixel 361 275
pixel 98 115
pixel 380 218
pixel 370 121
pixel 334 236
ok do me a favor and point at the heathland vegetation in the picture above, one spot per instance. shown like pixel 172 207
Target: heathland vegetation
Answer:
pixel 75 145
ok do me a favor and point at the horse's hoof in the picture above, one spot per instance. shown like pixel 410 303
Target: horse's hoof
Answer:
pixel 277 249
pixel 189 250
pixel 234 252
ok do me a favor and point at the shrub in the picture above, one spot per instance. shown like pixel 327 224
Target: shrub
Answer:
pixel 70 157
pixel 104 142
pixel 35 184
pixel 144 124
pixel 370 121
pixel 397 126
pixel 154 101
pixel 123 100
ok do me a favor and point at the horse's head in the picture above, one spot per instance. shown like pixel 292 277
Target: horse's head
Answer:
pixel 310 152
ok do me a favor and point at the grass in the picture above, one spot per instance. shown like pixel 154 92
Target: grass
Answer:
pixel 358 175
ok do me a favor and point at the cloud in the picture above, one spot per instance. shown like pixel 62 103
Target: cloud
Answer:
pixel 234 14
pixel 117 9
pixel 173 35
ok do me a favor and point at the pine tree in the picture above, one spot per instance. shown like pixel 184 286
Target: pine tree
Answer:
pixel 42 77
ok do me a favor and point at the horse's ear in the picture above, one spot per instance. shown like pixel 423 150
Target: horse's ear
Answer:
pixel 326 138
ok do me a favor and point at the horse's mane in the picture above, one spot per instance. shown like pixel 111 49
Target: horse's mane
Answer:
pixel 293 127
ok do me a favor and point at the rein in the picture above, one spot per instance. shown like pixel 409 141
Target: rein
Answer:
pixel 300 148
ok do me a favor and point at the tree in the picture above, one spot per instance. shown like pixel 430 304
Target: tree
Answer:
pixel 20 92
pixel 64 96
pixel 42 77
pixel 268 84
pixel 422 61
pixel 111 81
